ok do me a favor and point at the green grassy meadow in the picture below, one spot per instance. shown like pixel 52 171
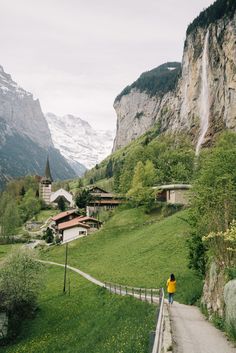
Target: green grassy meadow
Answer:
pixel 45 214
pixel 134 248
pixel 89 320
pixel 6 249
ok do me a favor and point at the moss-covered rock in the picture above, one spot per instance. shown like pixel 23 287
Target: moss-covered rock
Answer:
pixel 230 302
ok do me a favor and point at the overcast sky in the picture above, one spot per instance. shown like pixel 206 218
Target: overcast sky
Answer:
pixel 77 55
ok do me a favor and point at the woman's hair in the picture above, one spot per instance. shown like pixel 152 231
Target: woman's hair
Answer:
pixel 172 277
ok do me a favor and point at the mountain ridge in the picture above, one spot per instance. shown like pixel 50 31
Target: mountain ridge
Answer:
pixel 78 141
pixel 25 137
pixel 208 49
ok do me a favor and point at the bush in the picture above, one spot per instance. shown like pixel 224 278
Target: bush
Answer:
pixel 231 273
pixel 48 236
pixel 19 286
pixel 57 239
pixel 25 237
pixel 170 209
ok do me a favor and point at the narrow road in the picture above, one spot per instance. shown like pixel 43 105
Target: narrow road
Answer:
pixel 192 333
pixel 81 273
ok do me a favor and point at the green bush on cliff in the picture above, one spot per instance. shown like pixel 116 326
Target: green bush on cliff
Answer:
pixel 215 12
pixel 155 82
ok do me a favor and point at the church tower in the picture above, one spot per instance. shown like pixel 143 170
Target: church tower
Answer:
pixel 46 184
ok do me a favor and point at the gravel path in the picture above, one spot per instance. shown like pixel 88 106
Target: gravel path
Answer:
pixel 192 333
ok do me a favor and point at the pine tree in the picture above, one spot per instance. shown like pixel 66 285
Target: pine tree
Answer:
pixel 61 204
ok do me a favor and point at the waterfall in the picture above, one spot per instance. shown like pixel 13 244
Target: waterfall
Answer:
pixel 186 79
pixel 204 97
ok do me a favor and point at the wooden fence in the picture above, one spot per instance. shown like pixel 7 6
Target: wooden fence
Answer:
pixel 151 295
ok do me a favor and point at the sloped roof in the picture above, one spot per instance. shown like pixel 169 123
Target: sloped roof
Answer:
pixel 86 218
pixel 72 223
pixel 63 214
pixel 91 188
pixel 61 193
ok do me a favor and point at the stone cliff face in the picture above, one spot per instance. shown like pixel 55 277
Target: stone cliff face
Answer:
pixel 202 103
pixel 21 112
pixel 25 139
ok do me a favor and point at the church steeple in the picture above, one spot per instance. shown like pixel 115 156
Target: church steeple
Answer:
pixel 46 184
pixel 47 172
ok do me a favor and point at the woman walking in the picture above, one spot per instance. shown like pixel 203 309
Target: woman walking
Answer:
pixel 171 288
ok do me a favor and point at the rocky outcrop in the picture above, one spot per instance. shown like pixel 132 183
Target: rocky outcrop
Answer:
pixel 21 112
pixel 202 103
pixel 25 139
pixel 219 295
pixel 213 290
pixel 230 302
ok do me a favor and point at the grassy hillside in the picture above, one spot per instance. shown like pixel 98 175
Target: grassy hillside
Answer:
pixel 136 249
pixel 89 320
pixel 6 249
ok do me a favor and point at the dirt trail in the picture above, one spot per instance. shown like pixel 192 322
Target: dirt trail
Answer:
pixel 192 333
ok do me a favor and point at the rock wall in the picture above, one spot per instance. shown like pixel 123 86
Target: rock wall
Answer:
pixel 184 108
pixel 230 302
pixel 219 295
pixel 213 290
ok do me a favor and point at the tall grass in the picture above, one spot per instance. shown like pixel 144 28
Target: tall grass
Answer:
pixel 88 320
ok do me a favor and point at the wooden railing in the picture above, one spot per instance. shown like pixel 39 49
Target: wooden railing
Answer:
pixel 145 294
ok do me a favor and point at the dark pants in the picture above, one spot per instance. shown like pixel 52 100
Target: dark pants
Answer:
pixel 170 298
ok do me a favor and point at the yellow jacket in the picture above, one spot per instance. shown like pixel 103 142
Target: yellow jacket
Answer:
pixel 171 286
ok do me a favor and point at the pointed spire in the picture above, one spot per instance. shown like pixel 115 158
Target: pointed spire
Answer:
pixel 48 171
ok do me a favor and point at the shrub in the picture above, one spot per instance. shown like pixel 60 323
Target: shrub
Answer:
pixel 19 286
pixel 48 235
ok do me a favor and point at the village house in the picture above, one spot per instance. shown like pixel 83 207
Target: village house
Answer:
pixel 102 200
pixel 63 217
pixel 93 223
pixel 72 230
pixel 174 194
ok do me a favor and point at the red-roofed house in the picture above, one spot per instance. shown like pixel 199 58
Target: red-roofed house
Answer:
pixel 72 230
pixel 64 217
pixel 93 223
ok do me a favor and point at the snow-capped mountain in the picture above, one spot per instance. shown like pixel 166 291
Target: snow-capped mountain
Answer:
pixel 25 139
pixel 78 141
